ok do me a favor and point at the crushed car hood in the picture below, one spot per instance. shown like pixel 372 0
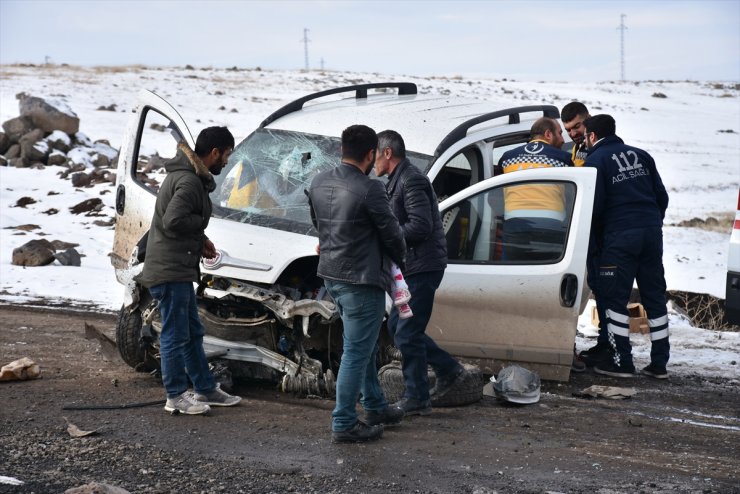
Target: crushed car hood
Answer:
pixel 254 253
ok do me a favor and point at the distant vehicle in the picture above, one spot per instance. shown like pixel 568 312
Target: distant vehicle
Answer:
pixel 264 308
pixel 732 288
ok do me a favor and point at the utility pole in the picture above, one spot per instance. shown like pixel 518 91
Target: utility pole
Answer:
pixel 622 28
pixel 322 63
pixel 305 44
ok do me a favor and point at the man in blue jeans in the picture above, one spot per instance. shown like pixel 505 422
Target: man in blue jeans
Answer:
pixel 358 238
pixel 415 205
pixel 174 247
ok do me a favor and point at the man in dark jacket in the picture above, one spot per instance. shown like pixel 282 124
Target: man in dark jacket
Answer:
pixel 629 207
pixel 358 234
pixel 415 205
pixel 175 245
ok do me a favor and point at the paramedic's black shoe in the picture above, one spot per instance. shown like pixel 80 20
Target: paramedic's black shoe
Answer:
pixel 609 368
pixel 412 406
pixel 655 371
pixel 596 354
pixel 359 433
pixel 389 416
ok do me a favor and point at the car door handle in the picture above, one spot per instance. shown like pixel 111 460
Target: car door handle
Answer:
pixel 120 199
pixel 568 290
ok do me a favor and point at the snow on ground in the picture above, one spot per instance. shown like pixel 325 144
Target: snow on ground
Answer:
pixel 686 133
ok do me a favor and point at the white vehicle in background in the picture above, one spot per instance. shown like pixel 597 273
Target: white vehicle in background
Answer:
pixel 732 289
pixel 263 306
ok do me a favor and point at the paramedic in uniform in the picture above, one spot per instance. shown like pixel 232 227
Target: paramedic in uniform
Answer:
pixel 629 207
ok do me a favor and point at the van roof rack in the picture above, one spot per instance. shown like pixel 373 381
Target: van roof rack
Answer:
pixel 404 88
pixel 461 131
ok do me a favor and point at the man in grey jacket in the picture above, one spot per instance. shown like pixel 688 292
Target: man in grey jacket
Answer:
pixel 415 205
pixel 358 234
pixel 174 247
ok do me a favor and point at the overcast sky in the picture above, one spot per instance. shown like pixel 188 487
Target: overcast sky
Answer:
pixel 535 40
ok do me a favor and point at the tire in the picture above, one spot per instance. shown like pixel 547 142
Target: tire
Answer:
pixel 469 391
pixel 136 352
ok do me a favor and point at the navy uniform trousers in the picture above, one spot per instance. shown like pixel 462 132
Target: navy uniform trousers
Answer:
pixel 626 256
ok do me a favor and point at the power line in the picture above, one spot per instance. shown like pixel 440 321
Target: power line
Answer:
pixel 622 28
pixel 305 41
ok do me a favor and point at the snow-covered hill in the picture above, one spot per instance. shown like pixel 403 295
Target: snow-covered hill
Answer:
pixel 692 132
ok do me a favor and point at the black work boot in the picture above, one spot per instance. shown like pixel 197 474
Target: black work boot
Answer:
pixel 412 406
pixel 390 415
pixel 359 433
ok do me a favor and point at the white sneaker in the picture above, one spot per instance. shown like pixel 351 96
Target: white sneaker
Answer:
pixel 217 398
pixel 186 404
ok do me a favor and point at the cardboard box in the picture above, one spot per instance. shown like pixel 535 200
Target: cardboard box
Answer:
pixel 638 318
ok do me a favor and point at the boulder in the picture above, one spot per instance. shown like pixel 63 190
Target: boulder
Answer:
pixel 94 204
pixel 18 162
pixel 59 140
pixel 16 127
pixel 33 253
pixel 69 257
pixel 56 158
pixel 3 161
pixel 49 114
pixel 4 142
pixel 34 147
pixel 100 161
pixel 14 151
pixel 80 179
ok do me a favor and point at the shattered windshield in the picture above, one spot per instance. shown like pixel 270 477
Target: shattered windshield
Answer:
pixel 263 182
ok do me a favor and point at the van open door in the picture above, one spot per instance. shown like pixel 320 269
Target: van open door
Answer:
pixel 152 135
pixel 506 308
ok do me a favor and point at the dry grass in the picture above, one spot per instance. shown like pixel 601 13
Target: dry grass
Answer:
pixel 705 311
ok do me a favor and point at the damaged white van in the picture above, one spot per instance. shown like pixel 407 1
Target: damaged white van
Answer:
pixel 265 310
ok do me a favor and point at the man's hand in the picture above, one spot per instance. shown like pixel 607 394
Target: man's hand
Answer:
pixel 209 250
pixel 318 249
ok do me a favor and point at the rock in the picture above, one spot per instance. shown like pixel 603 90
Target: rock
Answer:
pixel 24 201
pixel 3 161
pixel 100 161
pixel 4 142
pixel 33 147
pixel 59 140
pixel 16 127
pixel 14 151
pixel 61 245
pixel 80 179
pixel 94 204
pixel 659 95
pixel 49 114
pixel 56 158
pixel 111 107
pixel 69 257
pixel 96 488
pixel 33 253
pixel 81 139
pixel 18 162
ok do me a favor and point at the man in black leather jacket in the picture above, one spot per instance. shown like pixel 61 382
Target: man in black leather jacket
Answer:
pixel 358 238
pixel 414 203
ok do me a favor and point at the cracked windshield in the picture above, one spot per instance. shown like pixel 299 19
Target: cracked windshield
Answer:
pixel 264 180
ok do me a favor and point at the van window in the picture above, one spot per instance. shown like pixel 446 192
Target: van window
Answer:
pixel 485 229
pixel 157 143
